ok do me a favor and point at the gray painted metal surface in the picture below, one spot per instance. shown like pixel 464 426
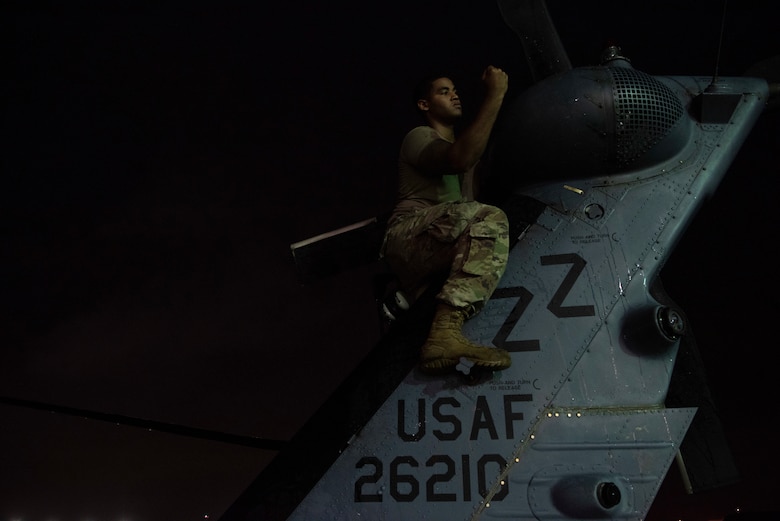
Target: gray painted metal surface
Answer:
pixel 576 428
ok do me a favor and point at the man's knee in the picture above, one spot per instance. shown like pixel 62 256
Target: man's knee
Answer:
pixel 494 214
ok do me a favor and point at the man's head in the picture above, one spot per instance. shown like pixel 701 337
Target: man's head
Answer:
pixel 437 100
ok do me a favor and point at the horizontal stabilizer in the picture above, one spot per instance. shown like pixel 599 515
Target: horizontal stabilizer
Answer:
pixel 339 250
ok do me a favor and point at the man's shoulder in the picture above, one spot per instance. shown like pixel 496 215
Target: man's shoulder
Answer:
pixel 425 150
pixel 423 131
pixel 420 136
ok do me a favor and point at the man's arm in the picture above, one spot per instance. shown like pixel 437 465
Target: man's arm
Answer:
pixel 470 145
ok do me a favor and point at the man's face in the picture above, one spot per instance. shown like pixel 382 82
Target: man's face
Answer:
pixel 443 103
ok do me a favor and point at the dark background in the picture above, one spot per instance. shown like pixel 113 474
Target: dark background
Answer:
pixel 158 163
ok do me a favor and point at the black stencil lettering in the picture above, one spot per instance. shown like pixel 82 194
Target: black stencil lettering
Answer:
pixel 483 419
pixel 509 415
pixel 482 475
pixel 500 340
pixel 447 418
pixel 420 421
pixel 360 496
pixel 556 304
pixel 444 477
pixel 397 479
pixel 466 466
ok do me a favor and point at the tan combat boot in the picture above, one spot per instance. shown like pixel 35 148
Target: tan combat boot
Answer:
pixel 446 345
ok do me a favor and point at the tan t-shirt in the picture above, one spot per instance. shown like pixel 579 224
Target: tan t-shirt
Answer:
pixel 424 185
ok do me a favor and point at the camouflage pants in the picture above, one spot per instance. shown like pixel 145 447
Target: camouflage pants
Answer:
pixel 468 242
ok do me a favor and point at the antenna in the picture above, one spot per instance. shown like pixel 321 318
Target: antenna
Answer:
pixel 193 432
pixel 720 42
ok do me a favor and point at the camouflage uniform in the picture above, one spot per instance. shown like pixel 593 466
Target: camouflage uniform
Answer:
pixel 469 240
pixel 435 230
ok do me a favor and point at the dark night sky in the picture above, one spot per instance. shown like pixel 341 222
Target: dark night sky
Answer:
pixel 158 163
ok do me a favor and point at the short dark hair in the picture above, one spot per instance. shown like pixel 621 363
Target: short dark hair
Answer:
pixel 423 87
